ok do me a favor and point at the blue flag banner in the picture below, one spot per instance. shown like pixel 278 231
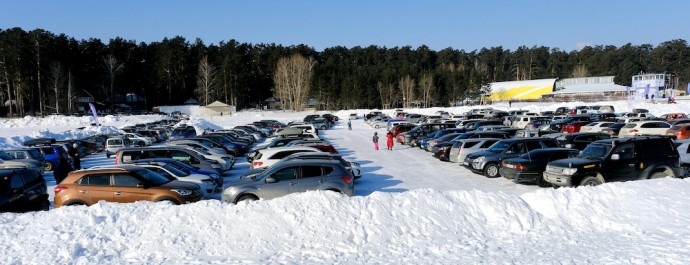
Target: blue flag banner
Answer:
pixel 627 90
pixel 95 115
pixel 689 88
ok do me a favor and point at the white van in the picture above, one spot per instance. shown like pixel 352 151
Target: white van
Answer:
pixel 521 121
pixel 114 144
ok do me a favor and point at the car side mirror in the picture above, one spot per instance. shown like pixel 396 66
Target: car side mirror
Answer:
pixel 615 157
pixel 271 180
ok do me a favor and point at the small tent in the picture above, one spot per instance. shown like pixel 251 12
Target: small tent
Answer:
pixel 217 107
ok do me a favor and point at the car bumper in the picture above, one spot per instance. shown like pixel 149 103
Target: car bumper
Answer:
pixel 559 179
pixel 474 166
pixel 520 176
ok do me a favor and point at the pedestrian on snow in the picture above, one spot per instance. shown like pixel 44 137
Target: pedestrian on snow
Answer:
pixel 61 169
pixel 74 154
pixel 510 103
pixel 349 125
pixel 376 141
pixel 389 140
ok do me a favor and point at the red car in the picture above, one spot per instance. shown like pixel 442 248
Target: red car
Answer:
pixel 573 127
pixel 401 128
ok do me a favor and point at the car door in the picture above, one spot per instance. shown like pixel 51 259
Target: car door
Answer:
pixel 127 188
pixel 93 188
pixel 625 167
pixel 17 200
pixel 279 183
pixel 312 177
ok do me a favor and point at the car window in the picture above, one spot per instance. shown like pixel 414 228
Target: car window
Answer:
pixel 125 180
pixel 550 143
pixel 470 144
pixel 487 144
pixel 311 171
pixel 625 151
pixel 48 150
pixel 516 148
pixel 95 180
pixel 532 145
pixel 36 154
pixel 180 156
pixel 19 155
pixel 15 181
pixel 30 176
pixel 289 173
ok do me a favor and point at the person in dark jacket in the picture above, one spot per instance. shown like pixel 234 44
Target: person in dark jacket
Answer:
pixel 74 154
pixel 63 167
pixel 376 141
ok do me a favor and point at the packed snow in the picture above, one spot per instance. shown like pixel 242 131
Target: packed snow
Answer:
pixel 409 208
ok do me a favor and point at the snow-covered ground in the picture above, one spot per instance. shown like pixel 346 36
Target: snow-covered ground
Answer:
pixel 409 208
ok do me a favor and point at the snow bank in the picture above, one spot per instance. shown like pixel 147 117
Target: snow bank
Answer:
pixel 637 222
pixel 16 141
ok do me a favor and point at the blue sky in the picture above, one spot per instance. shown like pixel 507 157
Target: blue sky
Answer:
pixel 467 25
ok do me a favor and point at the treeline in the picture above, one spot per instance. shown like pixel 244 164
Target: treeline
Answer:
pixel 41 72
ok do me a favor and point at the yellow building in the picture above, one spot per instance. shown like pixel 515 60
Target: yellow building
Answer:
pixel 516 90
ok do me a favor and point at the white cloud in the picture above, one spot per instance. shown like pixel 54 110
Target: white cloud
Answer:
pixel 582 45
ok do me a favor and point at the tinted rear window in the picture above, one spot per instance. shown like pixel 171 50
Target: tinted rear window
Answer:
pixel 656 148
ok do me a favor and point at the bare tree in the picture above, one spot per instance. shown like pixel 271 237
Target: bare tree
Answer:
pixel 56 82
pixel 113 67
pixel 406 86
pixel 426 83
pixel 293 80
pixel 387 93
pixel 580 70
pixel 206 81
pixel 71 95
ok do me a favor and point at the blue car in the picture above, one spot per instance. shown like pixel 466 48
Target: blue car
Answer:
pixel 424 142
pixel 183 132
pixel 184 168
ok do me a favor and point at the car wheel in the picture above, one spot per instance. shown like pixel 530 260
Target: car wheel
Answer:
pixel 541 182
pixel 323 127
pixel 658 175
pixel 247 198
pixel 376 126
pixel 686 170
pixel 141 143
pixel 75 204
pixel 592 181
pixel 170 201
pixel 107 155
pixel 491 170
pixel 50 166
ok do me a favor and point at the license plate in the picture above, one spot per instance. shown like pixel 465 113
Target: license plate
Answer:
pixel 510 166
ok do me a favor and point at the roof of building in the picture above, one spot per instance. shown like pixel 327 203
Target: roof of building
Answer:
pixel 590 88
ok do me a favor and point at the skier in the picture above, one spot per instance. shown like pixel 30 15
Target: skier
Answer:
pixel 376 141
pixel 389 140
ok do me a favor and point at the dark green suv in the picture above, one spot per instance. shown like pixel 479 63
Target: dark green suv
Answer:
pixel 619 159
pixel 22 190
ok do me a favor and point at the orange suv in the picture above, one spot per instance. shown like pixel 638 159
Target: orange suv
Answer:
pixel 123 184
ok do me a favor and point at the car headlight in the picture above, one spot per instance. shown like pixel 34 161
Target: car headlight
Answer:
pixel 479 159
pixel 569 171
pixel 182 192
pixel 215 165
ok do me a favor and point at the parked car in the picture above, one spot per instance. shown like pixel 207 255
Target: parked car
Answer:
pixel 183 132
pixel 208 187
pixel 613 129
pixel 578 140
pixel 680 132
pixel 28 153
pixel 488 162
pixel 673 116
pixel 114 144
pixel 644 128
pixel 596 126
pixel 462 148
pixel 620 159
pixel 411 136
pixel 184 167
pixel 127 155
pixel 268 157
pixel 352 116
pixel 22 190
pixel 441 150
pixel 352 167
pixel 138 139
pixel 290 177
pixel 529 167
pixel 10 161
pixel 574 127
pixel 122 184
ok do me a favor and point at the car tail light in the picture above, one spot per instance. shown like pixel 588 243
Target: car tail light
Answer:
pixel 59 188
pixel 520 167
pixel 633 131
pixel 258 163
pixel 504 164
pixel 347 179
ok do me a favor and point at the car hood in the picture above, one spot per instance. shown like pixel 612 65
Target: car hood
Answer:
pixel 176 184
pixel 481 153
pixel 574 162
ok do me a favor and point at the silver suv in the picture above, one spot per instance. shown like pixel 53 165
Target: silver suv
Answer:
pixel 290 177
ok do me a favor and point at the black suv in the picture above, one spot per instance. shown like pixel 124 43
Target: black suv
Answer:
pixel 578 140
pixel 22 190
pixel 488 162
pixel 617 160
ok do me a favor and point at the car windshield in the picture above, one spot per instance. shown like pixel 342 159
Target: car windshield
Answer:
pixel 498 147
pixel 175 171
pixel 596 151
pixel 154 179
pixel 5 156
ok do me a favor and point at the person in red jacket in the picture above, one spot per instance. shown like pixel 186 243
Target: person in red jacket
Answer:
pixel 389 140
